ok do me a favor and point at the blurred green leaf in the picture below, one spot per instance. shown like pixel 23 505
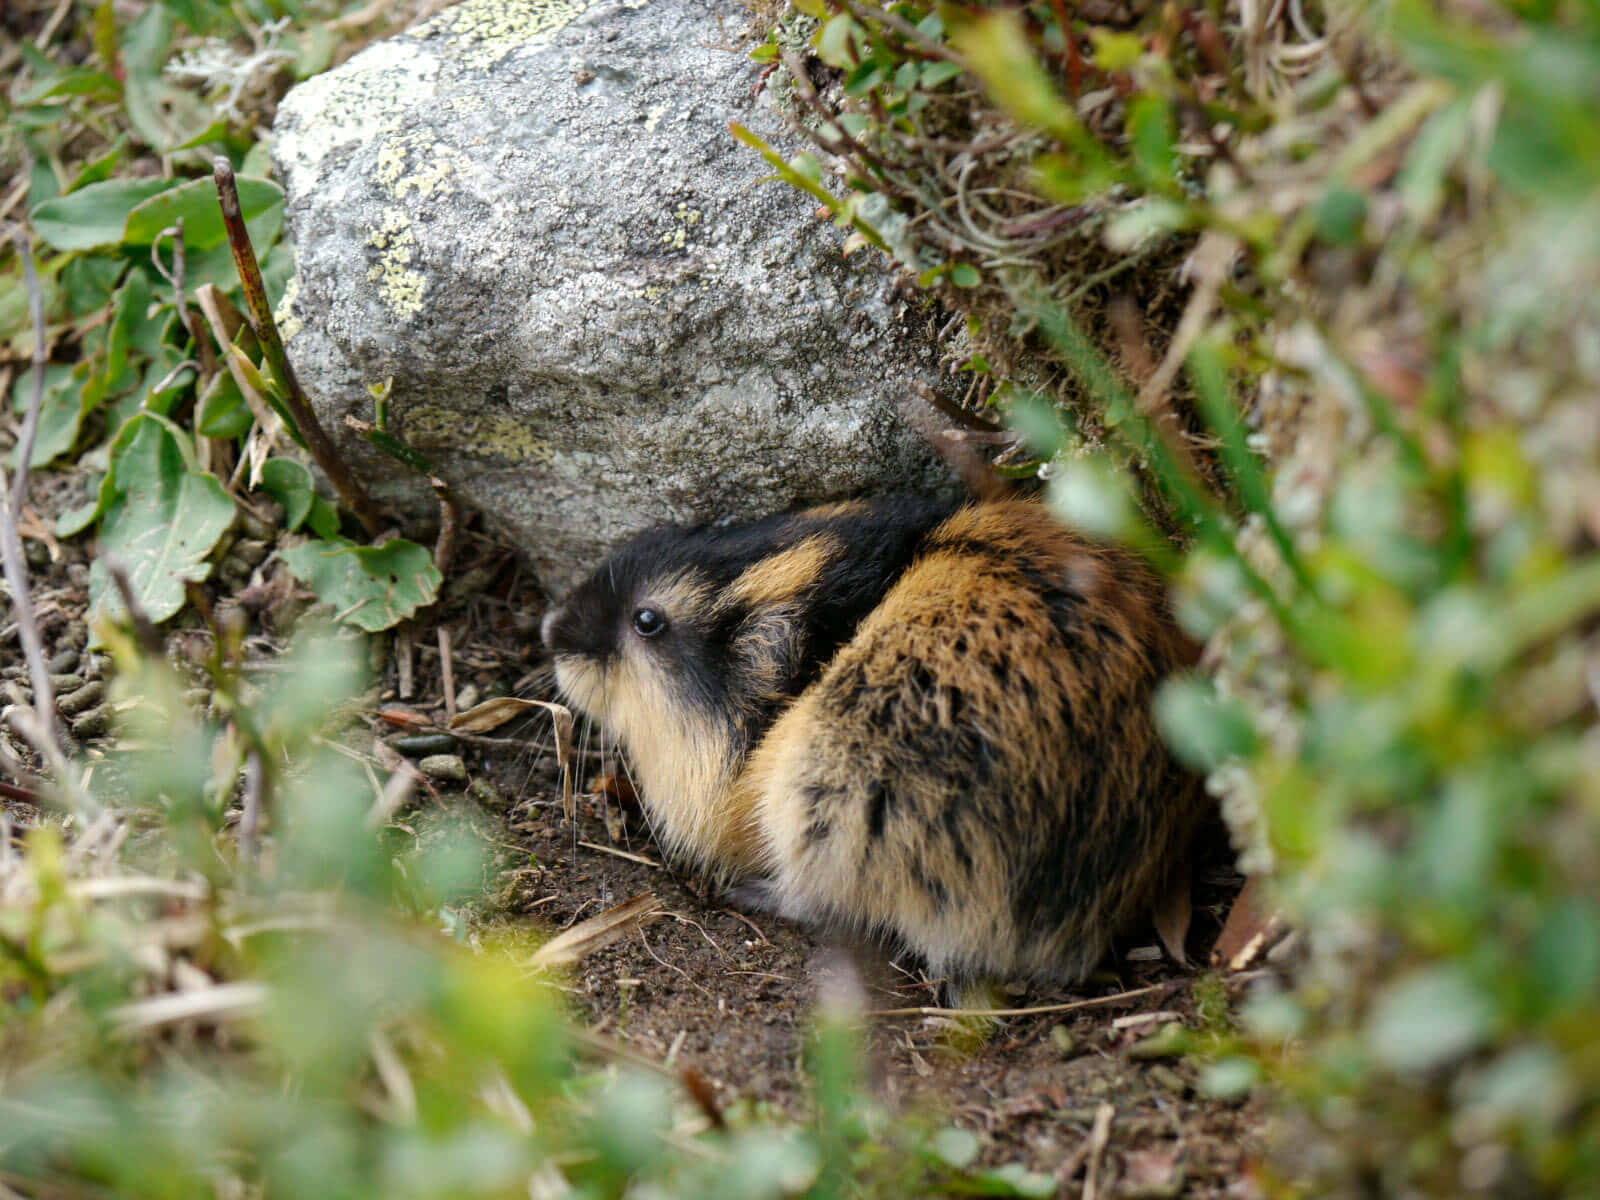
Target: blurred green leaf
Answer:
pixel 195 203
pixel 93 216
pixel 1429 1018
pixel 1203 729
pixel 222 411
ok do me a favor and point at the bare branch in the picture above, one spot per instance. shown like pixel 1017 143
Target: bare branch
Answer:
pixel 40 730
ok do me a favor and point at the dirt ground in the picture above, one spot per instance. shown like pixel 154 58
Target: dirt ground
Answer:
pixel 731 995
pixel 702 986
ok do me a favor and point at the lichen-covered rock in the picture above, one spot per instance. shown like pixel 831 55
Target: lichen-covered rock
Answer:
pixel 531 216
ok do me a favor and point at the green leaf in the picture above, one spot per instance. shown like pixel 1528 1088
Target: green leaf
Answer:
pixel 371 587
pixel 1566 954
pixel 1116 51
pixel 1203 728
pixel 1340 215
pixel 164 517
pixel 936 73
pixel 196 203
pixel 835 41
pixel 965 275
pixel 1092 495
pixel 93 216
pixel 222 411
pixel 1152 133
pixel 60 415
pixel 88 281
pixel 289 483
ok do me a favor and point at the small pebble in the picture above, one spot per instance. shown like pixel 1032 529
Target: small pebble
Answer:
pixel 420 745
pixel 447 768
pixel 37 554
pixel 1061 1038
pixel 486 794
pixel 467 697
pixel 78 574
pixel 63 662
pixel 252 550
pixel 92 723
pixel 85 697
pixel 64 683
pixel 16 693
pixel 257 527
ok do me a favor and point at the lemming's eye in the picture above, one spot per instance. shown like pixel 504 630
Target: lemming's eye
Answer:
pixel 647 622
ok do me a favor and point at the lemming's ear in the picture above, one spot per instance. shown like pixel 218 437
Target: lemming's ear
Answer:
pixel 767 653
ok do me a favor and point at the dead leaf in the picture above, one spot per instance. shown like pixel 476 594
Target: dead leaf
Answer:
pixel 1250 931
pixel 1152 1174
pixel 1172 911
pixel 588 936
pixel 492 714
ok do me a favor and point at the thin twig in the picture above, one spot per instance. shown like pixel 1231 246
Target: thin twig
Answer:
pixel 1071 1006
pixel 624 854
pixel 1099 1138
pixel 316 439
pixel 150 640
pixel 43 734
pixel 447 672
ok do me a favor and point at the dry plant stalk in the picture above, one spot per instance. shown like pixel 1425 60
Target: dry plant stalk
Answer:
pixel 492 714
pixel 37 724
pixel 321 448
pixel 588 936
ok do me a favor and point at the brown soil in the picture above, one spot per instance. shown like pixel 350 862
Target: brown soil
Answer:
pixel 731 995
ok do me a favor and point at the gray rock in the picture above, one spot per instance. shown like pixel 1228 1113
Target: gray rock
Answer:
pixel 531 216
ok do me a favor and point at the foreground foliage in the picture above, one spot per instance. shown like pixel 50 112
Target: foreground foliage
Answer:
pixel 190 1009
pixel 1375 424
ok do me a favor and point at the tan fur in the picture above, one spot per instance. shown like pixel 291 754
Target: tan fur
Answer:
pixel 975 774
pixel 682 757
pixel 782 577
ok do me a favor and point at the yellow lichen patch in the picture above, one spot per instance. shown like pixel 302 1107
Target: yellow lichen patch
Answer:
pixel 411 163
pixel 499 436
pixel 652 117
pixel 289 322
pixel 399 283
pixel 485 31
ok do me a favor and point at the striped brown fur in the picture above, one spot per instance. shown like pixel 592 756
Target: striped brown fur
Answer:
pixel 925 724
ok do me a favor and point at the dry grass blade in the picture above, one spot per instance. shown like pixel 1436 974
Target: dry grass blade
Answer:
pixel 224 1002
pixel 1154 989
pixel 588 936
pixel 492 714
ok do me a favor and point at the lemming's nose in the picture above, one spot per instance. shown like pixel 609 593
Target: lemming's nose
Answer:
pixel 547 627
